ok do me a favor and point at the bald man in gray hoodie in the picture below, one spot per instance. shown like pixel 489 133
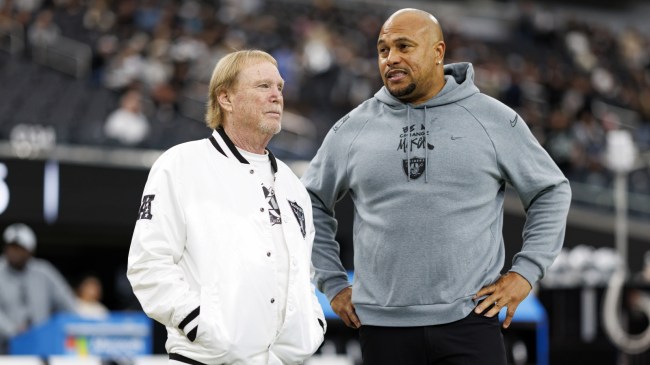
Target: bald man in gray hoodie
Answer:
pixel 426 162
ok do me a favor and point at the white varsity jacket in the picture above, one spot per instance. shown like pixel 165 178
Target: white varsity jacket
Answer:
pixel 201 260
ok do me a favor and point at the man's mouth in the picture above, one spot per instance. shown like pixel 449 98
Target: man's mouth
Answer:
pixel 395 75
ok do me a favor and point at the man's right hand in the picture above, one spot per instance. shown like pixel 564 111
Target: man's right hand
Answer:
pixel 343 307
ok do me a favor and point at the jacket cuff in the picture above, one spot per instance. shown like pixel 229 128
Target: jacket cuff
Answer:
pixel 190 324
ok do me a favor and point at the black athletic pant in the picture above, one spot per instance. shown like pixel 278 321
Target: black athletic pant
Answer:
pixel 474 340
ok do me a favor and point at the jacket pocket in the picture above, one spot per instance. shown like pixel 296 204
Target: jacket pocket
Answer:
pixel 211 335
pixel 301 336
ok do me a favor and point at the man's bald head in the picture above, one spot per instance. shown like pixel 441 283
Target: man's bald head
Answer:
pixel 415 18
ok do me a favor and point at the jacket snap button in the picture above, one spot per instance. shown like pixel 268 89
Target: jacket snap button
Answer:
pixel 268 254
pixel 272 300
pixel 261 209
pixel 252 171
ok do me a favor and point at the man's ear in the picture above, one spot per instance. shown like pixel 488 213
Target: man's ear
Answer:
pixel 223 98
pixel 440 50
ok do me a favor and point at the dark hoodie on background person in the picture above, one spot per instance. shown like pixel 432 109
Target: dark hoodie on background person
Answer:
pixel 428 184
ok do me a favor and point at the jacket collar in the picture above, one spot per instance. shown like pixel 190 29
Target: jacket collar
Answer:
pixel 225 141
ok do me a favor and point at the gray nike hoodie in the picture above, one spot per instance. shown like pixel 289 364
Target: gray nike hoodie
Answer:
pixel 428 182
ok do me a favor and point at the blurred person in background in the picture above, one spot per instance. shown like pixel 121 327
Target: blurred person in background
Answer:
pixel 44 32
pixel 426 161
pixel 221 253
pixel 89 297
pixel 32 289
pixel 128 125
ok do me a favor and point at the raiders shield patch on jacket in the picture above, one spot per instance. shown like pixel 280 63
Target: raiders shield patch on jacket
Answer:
pixel 300 216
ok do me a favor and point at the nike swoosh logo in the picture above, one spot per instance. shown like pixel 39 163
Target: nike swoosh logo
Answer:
pixel 453 138
pixel 514 121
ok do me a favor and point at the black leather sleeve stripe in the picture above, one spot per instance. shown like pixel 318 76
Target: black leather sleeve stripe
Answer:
pixel 190 317
pixel 322 325
pixel 216 145
pixel 184 359
pixel 192 334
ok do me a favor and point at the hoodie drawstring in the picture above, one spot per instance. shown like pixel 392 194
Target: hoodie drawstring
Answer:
pixel 408 144
pixel 426 147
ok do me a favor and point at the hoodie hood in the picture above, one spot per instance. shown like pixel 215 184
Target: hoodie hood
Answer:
pixel 459 84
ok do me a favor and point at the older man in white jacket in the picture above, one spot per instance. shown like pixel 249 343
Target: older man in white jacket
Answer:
pixel 221 253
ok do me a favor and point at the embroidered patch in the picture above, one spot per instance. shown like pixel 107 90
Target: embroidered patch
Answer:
pixel 300 216
pixel 145 208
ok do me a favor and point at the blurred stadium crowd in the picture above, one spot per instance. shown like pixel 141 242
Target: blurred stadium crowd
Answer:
pixel 149 63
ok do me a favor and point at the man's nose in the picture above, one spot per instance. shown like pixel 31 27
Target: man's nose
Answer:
pixel 276 95
pixel 394 57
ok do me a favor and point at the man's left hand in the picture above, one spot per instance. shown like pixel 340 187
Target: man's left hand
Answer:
pixel 508 291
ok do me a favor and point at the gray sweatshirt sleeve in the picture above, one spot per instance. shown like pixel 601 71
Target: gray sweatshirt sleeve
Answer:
pixel 542 188
pixel 61 294
pixel 326 182
pixel 7 327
